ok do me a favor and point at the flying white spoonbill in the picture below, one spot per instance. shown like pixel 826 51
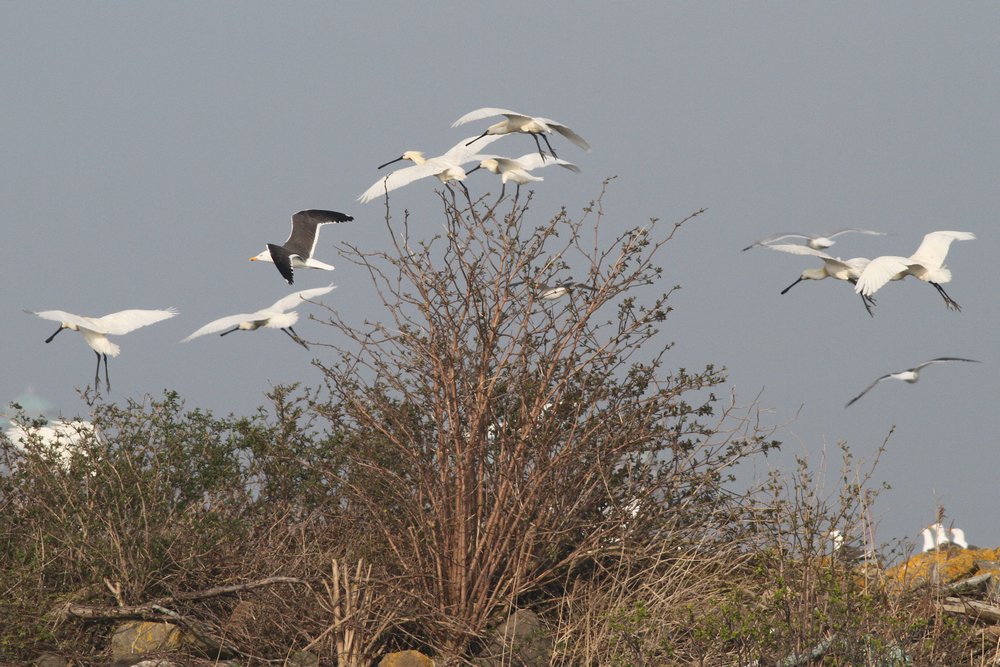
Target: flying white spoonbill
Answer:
pixel 910 375
pixel 95 330
pixel 446 167
pixel 280 315
pixel 519 170
pixel 296 252
pixel 927 264
pixel 517 122
pixel 814 241
pixel 833 267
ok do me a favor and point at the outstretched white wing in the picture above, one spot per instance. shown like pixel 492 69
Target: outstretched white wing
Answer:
pixel 222 324
pixel 566 132
pixel 934 248
pixel 487 112
pixel 535 161
pixel 880 271
pixel 295 298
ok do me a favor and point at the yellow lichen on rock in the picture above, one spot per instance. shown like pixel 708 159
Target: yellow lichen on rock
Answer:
pixel 943 566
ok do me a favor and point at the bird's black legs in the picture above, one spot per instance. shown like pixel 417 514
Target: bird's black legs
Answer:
pixel 97 373
pixel 550 146
pixel 469 143
pixel 868 303
pixel 49 339
pixel 517 192
pixel 230 331
pixel 294 336
pixel 539 144
pixel 951 303
pixel 792 285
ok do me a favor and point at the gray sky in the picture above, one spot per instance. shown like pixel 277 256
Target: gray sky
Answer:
pixel 149 149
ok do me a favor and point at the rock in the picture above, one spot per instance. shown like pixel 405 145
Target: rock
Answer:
pixel 405 659
pixel 134 638
pixel 302 659
pixel 51 660
pixel 522 640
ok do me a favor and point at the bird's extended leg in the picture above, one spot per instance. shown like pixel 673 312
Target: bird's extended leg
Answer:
pixel 544 136
pixel 951 303
pixel 294 336
pixel 107 381
pixel 539 144
pixel 868 303
pixel 792 285
pixel 49 339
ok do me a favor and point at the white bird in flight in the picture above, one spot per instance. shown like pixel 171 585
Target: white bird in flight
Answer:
pixel 848 270
pixel 927 264
pixel 517 122
pixel 95 330
pixel 814 241
pixel 910 375
pixel 446 167
pixel 519 170
pixel 296 252
pixel 280 315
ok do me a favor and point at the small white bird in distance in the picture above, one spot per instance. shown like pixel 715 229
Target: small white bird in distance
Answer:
pixel 519 170
pixel 536 126
pixel 95 330
pixel 447 167
pixel 910 375
pixel 814 241
pixel 833 267
pixel 58 439
pixel 551 292
pixel 280 315
pixel 937 536
pixel 927 264
pixel 296 252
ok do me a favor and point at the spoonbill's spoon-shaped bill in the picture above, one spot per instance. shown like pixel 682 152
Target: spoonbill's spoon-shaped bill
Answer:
pixel 518 122
pixel 910 375
pixel 296 252
pixel 519 170
pixel 280 315
pixel 95 330
pixel 814 241
pixel 446 167
pixel 847 270
pixel 927 264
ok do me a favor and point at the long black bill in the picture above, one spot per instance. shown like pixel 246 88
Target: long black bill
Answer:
pixel 391 162
pixel 469 143
pixel 230 331
pixel 49 339
pixel 792 285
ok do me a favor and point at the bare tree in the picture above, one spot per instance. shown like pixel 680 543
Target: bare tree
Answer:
pixel 512 416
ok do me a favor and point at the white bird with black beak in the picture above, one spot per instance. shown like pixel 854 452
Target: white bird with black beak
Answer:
pixel 280 315
pixel 536 126
pixel 95 330
pixel 519 170
pixel 847 270
pixel 814 241
pixel 447 168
